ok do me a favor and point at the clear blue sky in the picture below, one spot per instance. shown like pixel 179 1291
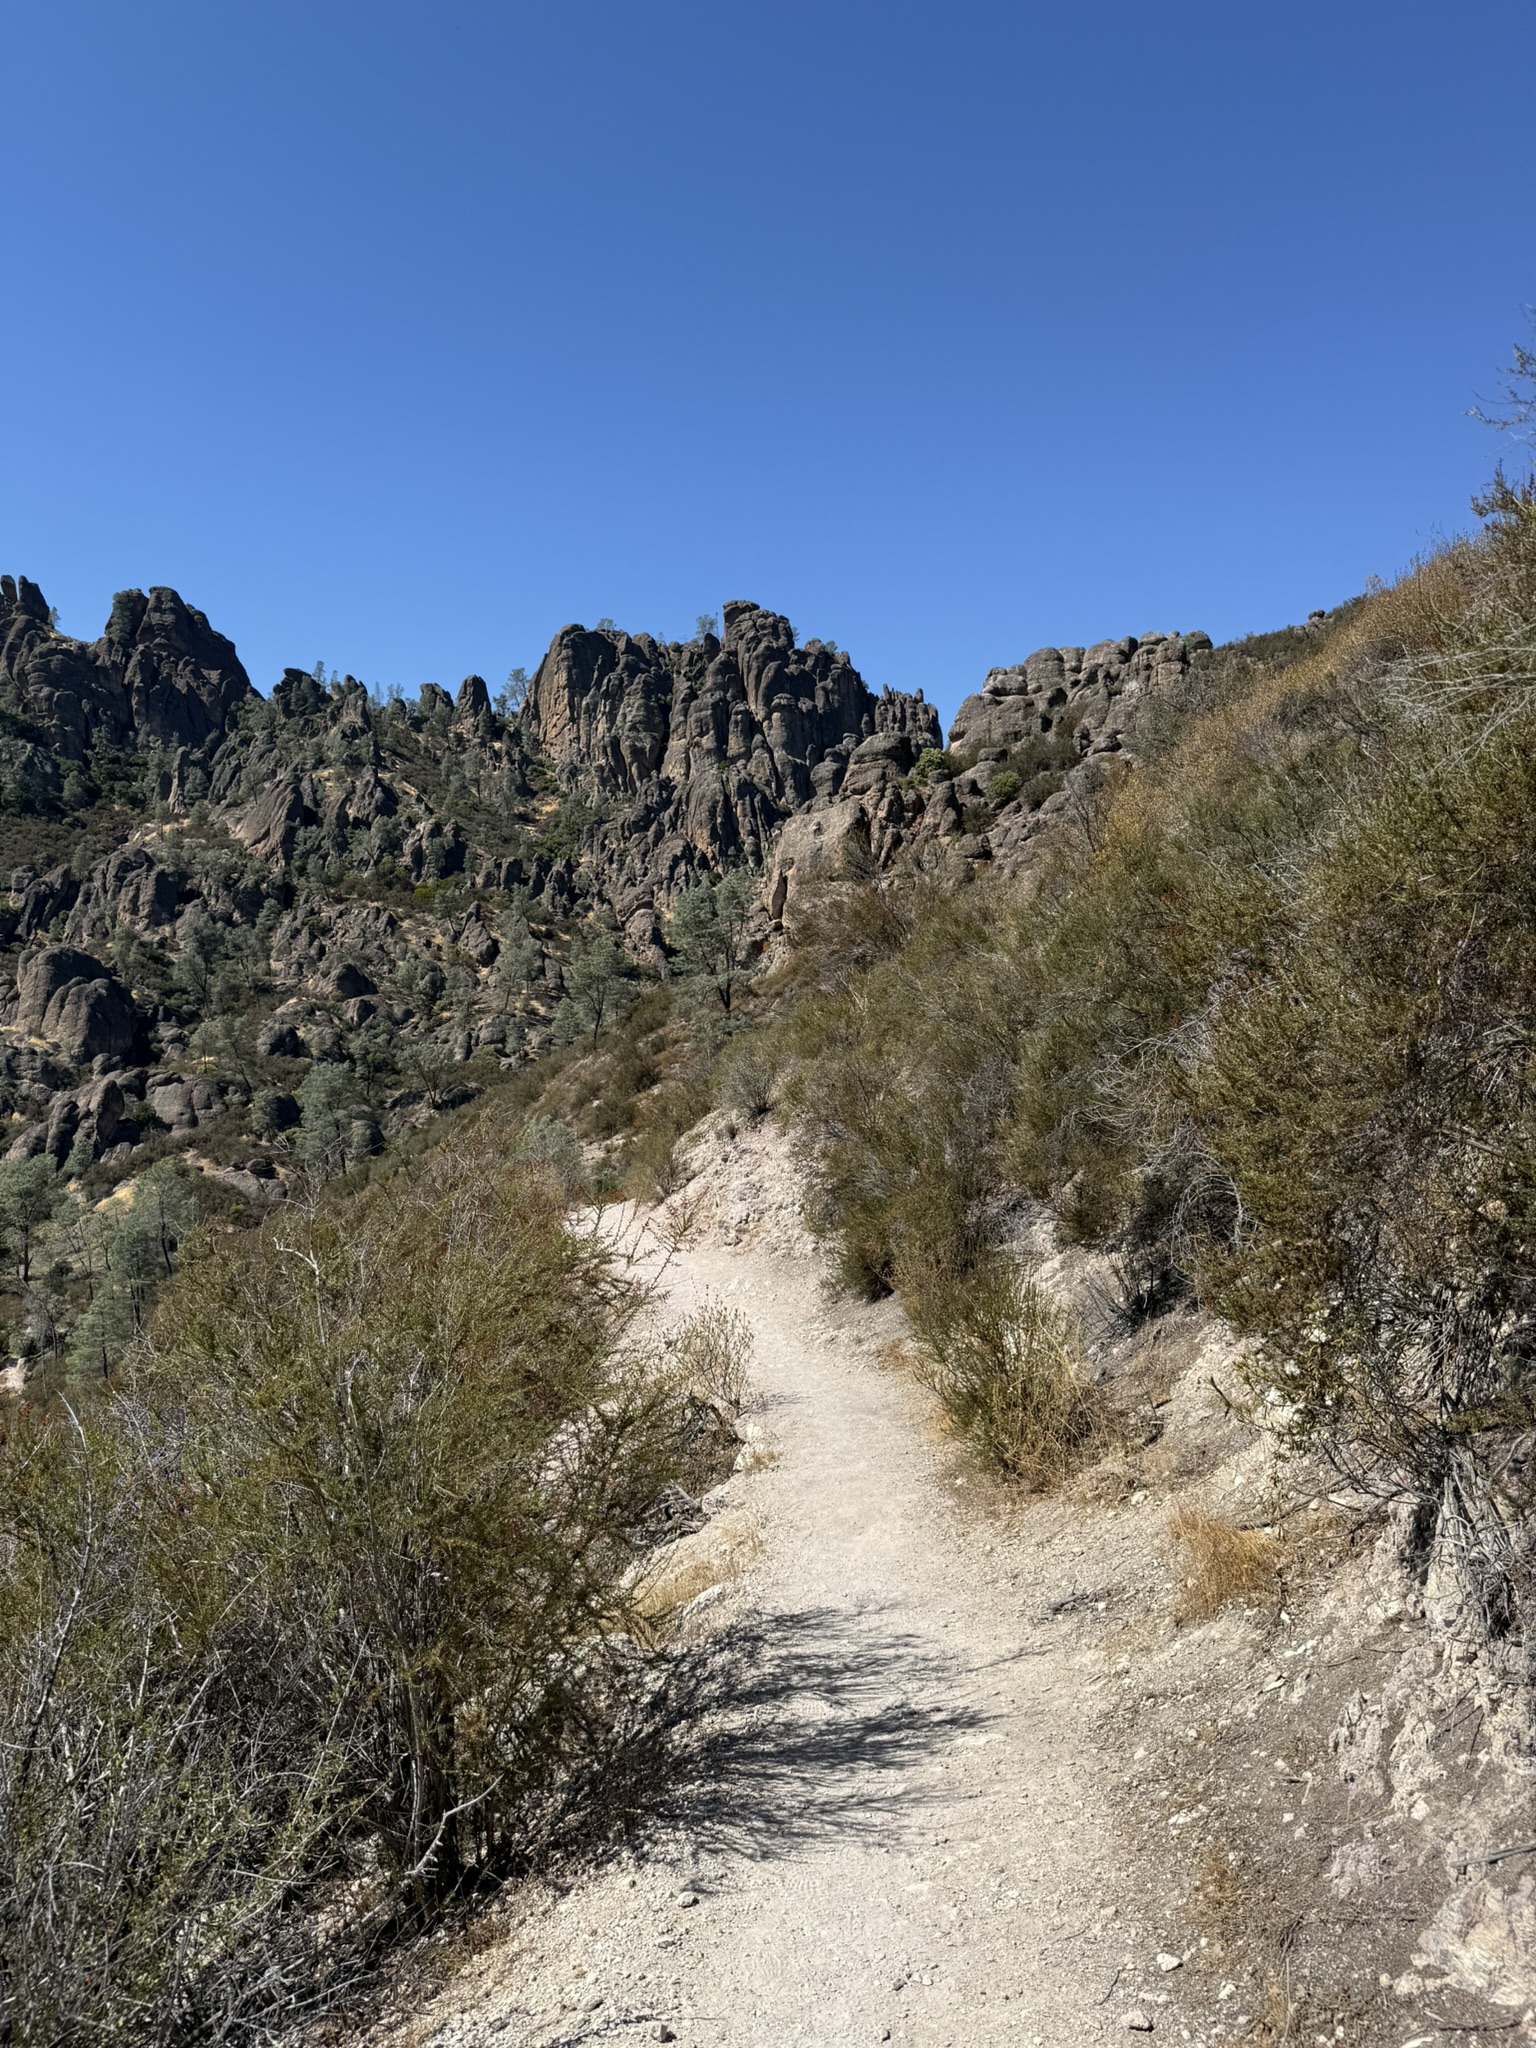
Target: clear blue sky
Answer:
pixel 396 336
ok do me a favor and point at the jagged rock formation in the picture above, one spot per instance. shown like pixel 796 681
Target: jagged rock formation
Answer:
pixel 159 677
pixel 346 882
pixel 700 751
pixel 1020 752
pixel 1085 692
pixel 74 1003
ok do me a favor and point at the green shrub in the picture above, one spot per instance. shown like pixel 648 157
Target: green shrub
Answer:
pixel 1369 1103
pixel 547 1142
pixel 1004 787
pixel 650 1159
pixel 899 1084
pixel 327 1612
pixel 1262 1027
pixel 1006 1366
pixel 746 1075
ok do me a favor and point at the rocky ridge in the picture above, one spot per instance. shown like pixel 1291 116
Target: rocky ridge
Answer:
pixel 159 680
pixel 217 892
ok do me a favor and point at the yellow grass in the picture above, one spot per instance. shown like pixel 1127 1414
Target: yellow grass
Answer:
pixel 1223 1562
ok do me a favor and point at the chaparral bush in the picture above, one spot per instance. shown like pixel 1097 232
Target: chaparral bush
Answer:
pixel 321 1613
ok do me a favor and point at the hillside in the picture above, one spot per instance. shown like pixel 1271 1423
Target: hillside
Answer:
pixel 1142 1074
pixel 270 935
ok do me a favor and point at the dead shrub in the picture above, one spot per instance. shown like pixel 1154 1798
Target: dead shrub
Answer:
pixel 711 1352
pixel 1224 1563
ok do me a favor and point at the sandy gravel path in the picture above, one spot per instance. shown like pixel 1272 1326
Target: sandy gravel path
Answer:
pixel 894 1829
pixel 919 1853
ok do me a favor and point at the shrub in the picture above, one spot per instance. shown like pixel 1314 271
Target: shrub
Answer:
pixel 1006 1366
pixel 319 1618
pixel 930 762
pixel 546 1141
pixel 746 1075
pixel 899 1085
pixel 1004 787
pixel 712 1350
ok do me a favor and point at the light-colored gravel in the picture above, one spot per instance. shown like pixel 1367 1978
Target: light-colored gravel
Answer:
pixel 897 1829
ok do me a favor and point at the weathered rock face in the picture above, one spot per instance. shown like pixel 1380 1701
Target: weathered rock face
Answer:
pixel 1036 738
pixel 382 883
pixel 711 744
pixel 158 676
pixel 1086 693
pixel 73 1001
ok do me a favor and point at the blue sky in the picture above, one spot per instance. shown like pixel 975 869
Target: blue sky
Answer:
pixel 397 336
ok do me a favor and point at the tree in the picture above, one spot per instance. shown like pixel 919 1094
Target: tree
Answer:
pixel 330 1106
pixel 516 965
pixel 594 979
pixel 29 1194
pixel 511 699
pixel 135 1252
pixel 709 934
pixel 429 1063
pixel 705 624
pixel 228 1045
pixel 202 947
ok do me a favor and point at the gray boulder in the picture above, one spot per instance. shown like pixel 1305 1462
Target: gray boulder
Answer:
pixel 73 1001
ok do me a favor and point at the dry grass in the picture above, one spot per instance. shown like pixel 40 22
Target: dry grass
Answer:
pixel 1109 1482
pixel 711 1352
pixel 1224 1563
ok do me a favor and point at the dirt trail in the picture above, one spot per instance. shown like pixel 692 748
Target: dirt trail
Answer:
pixel 929 1860
pixel 895 1825
pixel 945 1768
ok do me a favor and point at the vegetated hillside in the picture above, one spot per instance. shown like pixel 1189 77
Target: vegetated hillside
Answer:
pixel 328 1613
pixel 255 942
pixel 263 939
pixel 1261 1031
pixel 1219 959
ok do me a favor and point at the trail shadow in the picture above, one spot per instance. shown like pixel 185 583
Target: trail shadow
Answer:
pixel 790 1729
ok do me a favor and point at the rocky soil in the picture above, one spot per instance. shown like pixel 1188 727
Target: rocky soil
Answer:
pixel 968 1774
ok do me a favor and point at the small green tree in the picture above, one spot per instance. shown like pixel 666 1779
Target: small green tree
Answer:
pixel 429 1063
pixel 710 935
pixel 516 965
pixel 511 699
pixel 272 1112
pixel 133 1254
pixel 227 1045
pixel 30 1192
pixel 202 948
pixel 329 1104
pixel 595 980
